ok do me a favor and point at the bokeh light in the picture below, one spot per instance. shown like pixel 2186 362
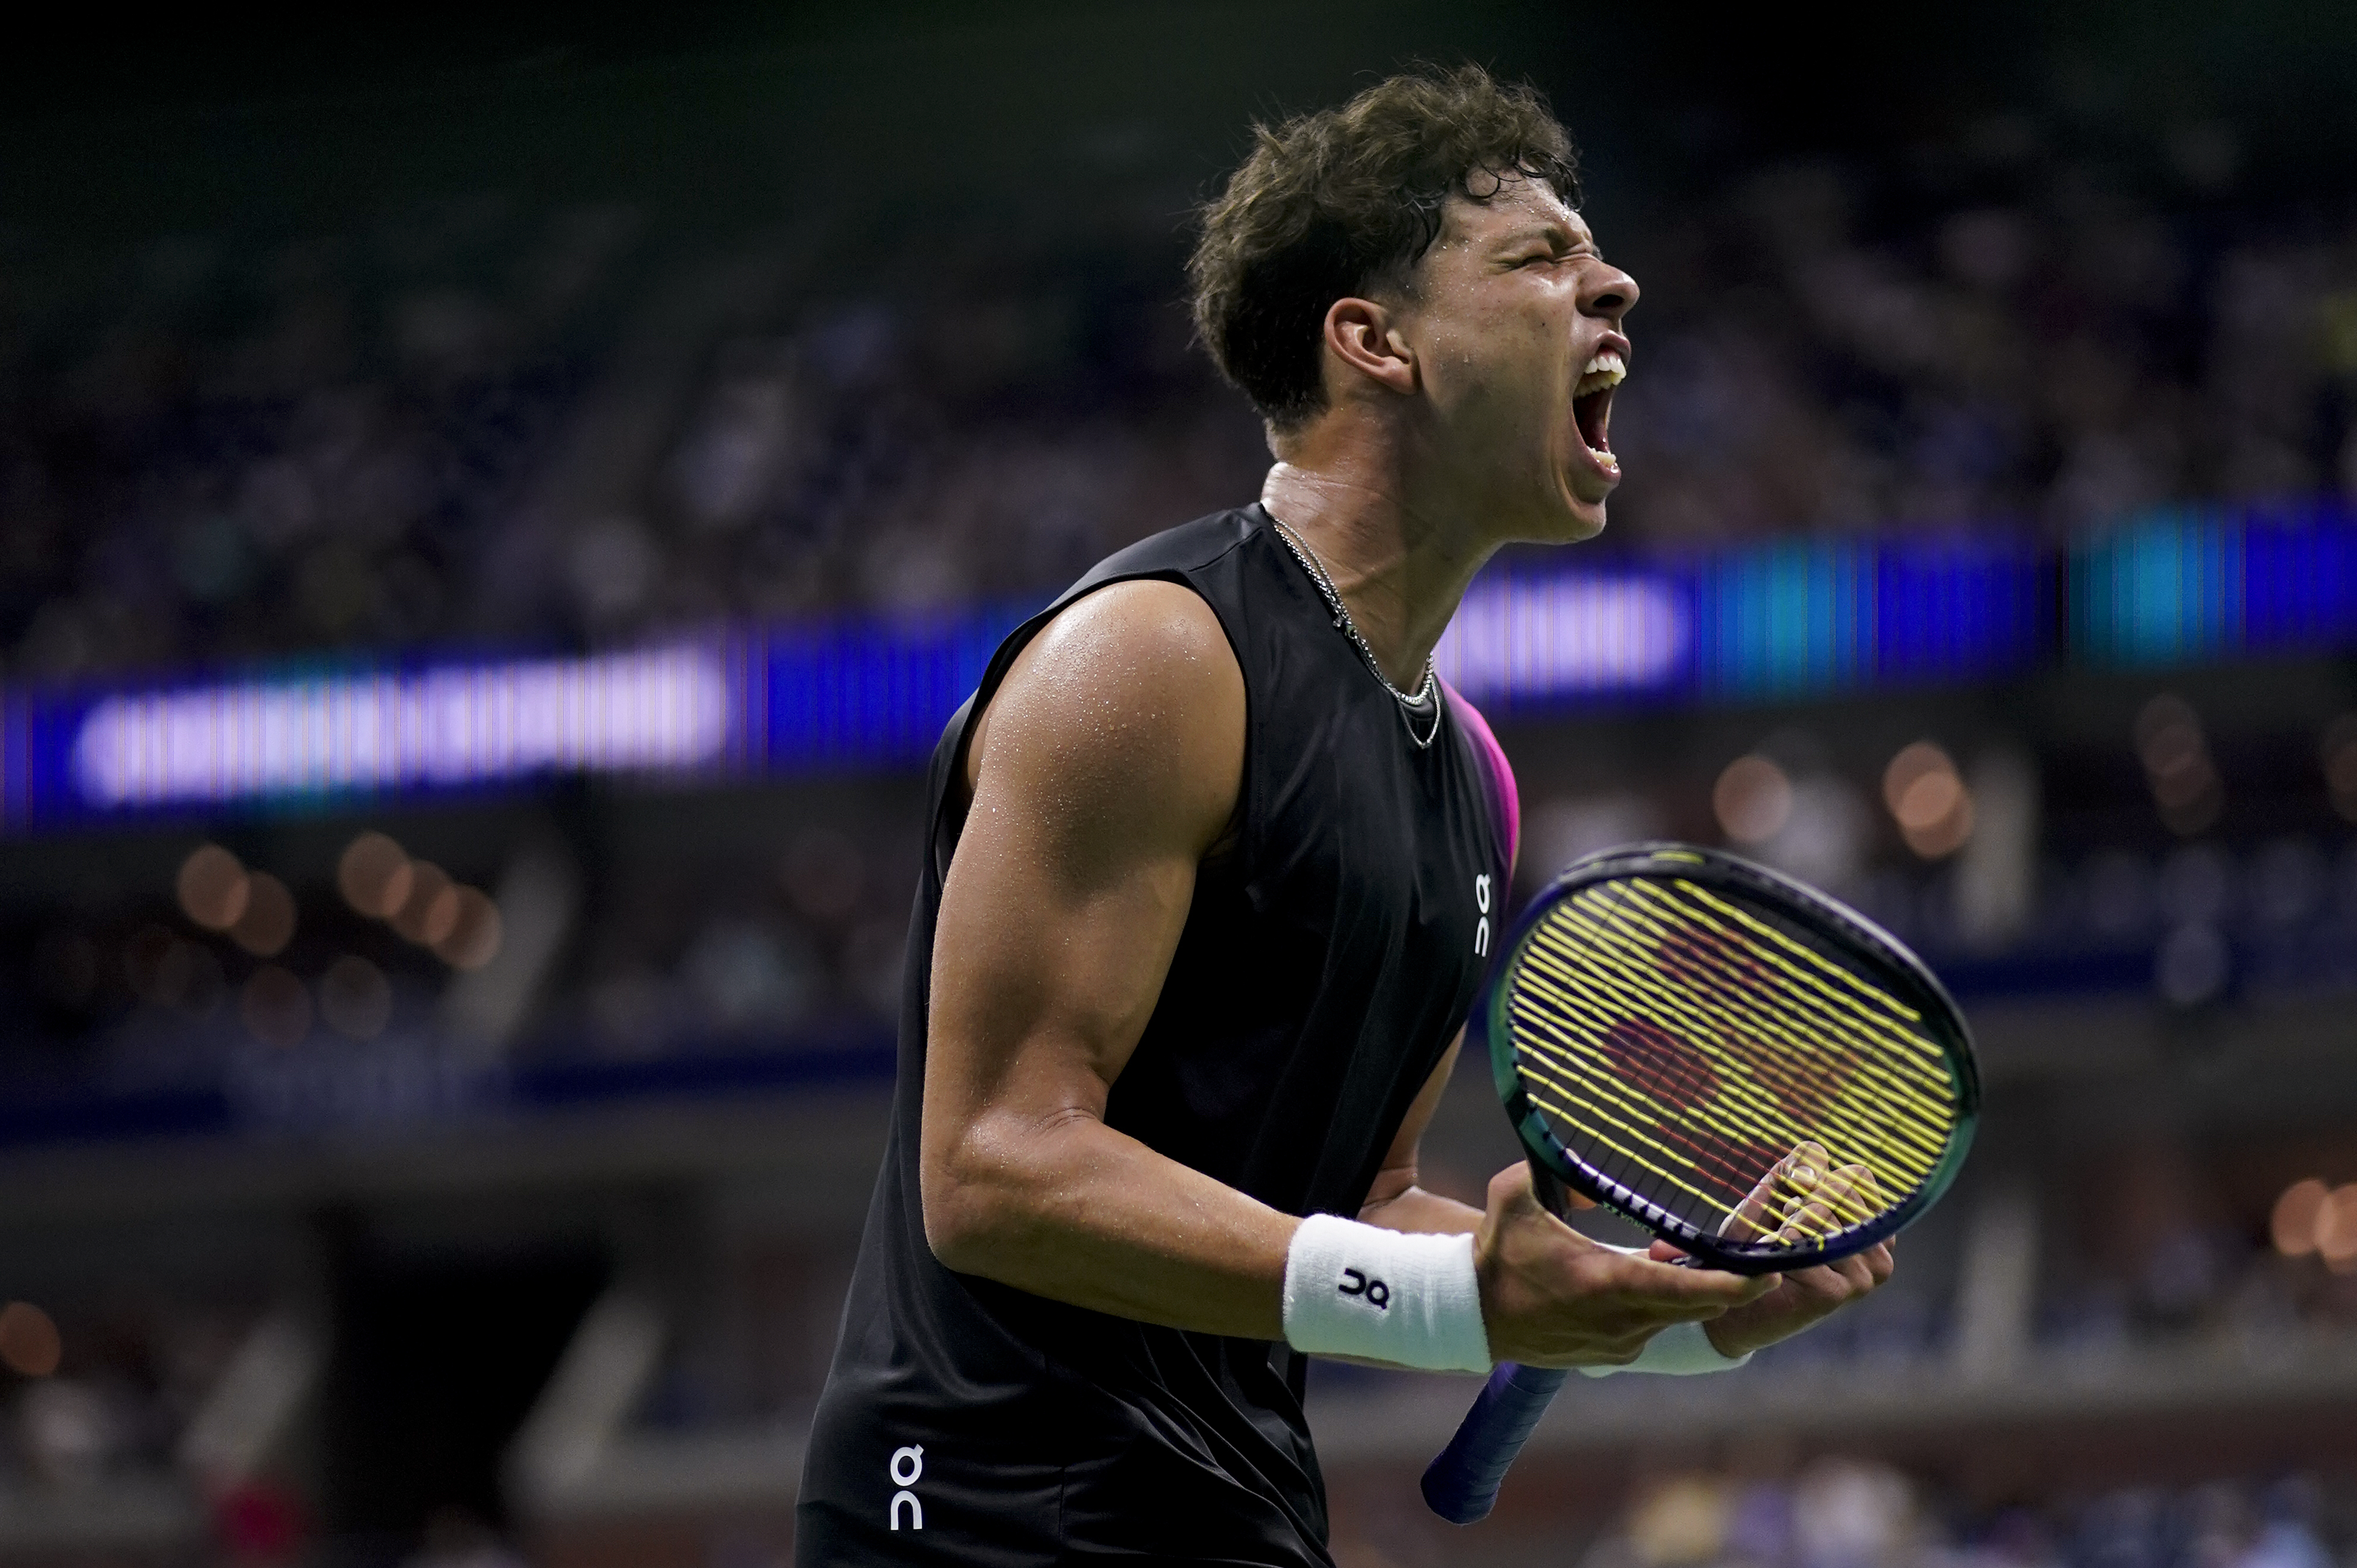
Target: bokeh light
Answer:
pixel 275 1007
pixel 1928 798
pixel 212 887
pixel 423 914
pixel 267 923
pixel 2185 784
pixel 1752 800
pixel 441 916
pixel 164 970
pixel 30 1345
pixel 374 874
pixel 355 998
pixel 2292 1224
pixel 2336 1229
pixel 474 934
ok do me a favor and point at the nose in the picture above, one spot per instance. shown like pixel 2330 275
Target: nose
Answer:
pixel 1605 290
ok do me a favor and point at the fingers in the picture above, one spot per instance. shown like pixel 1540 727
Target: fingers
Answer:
pixel 1822 1202
pixel 1684 1291
pixel 1748 1223
pixel 1857 1279
pixel 1844 1279
pixel 1808 1161
pixel 1744 1224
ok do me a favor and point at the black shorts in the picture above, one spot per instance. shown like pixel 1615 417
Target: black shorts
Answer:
pixel 1029 1484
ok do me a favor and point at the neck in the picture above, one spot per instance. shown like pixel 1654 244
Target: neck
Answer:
pixel 1400 567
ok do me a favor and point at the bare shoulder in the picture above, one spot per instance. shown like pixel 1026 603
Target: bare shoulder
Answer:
pixel 1130 701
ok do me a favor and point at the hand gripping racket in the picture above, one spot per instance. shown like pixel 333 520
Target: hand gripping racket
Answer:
pixel 1666 1025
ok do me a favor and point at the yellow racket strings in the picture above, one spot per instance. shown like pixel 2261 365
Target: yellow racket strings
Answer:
pixel 1643 1140
pixel 1638 1168
pixel 1918 1091
pixel 1884 1041
pixel 1913 1051
pixel 1593 965
pixel 1649 1167
pixel 1781 1029
pixel 1713 1143
pixel 1739 1149
pixel 1593 1101
pixel 1688 973
pixel 1695 1006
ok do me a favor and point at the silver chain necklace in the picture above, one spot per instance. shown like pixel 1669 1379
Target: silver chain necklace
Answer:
pixel 1412 708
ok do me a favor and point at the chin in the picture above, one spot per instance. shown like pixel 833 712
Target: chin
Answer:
pixel 1568 528
pixel 1574 518
pixel 1587 522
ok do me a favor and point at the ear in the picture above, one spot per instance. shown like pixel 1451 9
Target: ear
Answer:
pixel 1361 341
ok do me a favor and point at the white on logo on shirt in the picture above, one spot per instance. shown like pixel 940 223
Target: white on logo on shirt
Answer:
pixel 911 1459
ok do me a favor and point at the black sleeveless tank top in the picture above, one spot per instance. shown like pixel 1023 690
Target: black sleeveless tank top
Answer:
pixel 1327 960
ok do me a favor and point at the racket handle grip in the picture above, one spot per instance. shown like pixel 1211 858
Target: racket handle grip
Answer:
pixel 1461 1483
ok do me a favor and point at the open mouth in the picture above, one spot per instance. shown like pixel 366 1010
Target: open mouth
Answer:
pixel 1591 404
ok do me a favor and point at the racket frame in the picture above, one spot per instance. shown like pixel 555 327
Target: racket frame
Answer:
pixel 1803 906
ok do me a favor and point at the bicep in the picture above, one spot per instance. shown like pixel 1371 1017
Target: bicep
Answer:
pixel 1110 759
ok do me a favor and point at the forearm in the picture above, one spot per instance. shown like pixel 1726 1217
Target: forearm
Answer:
pixel 1081 1213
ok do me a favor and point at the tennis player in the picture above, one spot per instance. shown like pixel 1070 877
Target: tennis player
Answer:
pixel 1215 867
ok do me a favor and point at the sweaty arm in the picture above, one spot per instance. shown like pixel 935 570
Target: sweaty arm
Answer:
pixel 1106 765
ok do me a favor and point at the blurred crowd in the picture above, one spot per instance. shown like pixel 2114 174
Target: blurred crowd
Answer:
pixel 2057 358
pixel 222 446
pixel 782 926
pixel 225 974
pixel 476 422
pixel 1847 1513
pixel 2157 1242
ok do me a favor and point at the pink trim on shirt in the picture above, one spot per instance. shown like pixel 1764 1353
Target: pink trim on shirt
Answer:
pixel 1505 800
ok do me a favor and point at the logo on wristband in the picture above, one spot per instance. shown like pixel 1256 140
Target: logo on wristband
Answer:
pixel 1378 1294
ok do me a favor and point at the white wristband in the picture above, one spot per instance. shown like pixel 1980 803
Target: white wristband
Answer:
pixel 1680 1350
pixel 1360 1290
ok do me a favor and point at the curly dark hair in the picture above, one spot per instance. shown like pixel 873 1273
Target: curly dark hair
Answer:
pixel 1348 199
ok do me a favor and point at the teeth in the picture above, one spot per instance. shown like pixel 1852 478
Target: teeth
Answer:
pixel 1605 370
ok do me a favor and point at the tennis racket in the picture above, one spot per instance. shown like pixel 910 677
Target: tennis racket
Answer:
pixel 1666 1025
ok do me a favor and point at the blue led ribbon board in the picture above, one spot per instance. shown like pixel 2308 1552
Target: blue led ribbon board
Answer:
pixel 293 735
pixel 1788 620
pixel 2195 585
pixel 1793 620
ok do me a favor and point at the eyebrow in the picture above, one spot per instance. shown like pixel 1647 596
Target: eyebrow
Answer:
pixel 1557 235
